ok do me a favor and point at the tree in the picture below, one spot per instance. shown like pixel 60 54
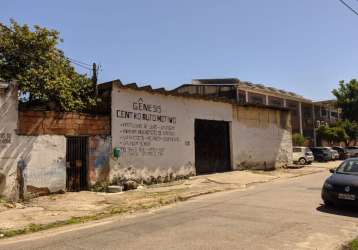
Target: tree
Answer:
pixel 347 99
pixel 351 129
pixel 323 133
pixel 332 134
pixel 31 58
pixel 298 139
pixel 338 134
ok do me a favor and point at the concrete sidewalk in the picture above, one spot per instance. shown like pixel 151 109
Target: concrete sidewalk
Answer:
pixel 70 208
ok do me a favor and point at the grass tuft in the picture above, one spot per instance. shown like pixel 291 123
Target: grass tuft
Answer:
pixel 353 245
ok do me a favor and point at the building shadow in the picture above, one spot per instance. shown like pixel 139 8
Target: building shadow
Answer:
pixel 340 210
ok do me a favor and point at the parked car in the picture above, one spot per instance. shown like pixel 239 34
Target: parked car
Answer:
pixel 321 154
pixel 343 153
pixel 334 153
pixel 342 186
pixel 353 150
pixel 302 155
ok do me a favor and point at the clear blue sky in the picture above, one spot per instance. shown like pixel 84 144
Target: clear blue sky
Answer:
pixel 305 46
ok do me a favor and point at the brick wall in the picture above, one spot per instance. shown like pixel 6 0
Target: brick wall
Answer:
pixel 69 124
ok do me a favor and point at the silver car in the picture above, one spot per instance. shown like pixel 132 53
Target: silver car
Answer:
pixel 334 153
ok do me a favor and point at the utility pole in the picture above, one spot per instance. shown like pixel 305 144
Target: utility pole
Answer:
pixel 94 77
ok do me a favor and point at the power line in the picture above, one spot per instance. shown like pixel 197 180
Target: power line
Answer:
pixel 80 65
pixel 349 7
pixel 77 61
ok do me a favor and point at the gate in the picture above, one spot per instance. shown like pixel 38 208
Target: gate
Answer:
pixel 212 146
pixel 76 163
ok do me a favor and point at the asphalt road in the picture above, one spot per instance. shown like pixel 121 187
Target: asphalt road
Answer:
pixel 285 214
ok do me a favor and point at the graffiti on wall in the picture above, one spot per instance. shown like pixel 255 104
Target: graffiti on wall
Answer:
pixel 99 153
pixel 5 138
pixel 144 128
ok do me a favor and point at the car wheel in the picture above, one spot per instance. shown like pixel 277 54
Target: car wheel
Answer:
pixel 302 161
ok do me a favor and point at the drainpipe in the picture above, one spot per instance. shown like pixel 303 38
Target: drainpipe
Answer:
pixel 314 126
pixel 237 95
pixel 300 116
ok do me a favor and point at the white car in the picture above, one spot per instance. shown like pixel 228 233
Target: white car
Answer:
pixel 302 155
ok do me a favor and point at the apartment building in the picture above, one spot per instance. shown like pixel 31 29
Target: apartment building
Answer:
pixel 306 114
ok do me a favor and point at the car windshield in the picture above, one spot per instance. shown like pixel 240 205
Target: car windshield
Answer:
pixel 348 167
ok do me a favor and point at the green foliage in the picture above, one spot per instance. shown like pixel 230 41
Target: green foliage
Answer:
pixel 342 131
pixel 31 57
pixel 100 187
pixel 298 139
pixel 351 128
pixel 354 245
pixel 347 99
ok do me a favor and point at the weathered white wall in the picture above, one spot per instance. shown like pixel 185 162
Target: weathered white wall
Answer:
pixel 168 148
pixel 260 137
pixel 46 163
pixel 42 156
pixel 12 148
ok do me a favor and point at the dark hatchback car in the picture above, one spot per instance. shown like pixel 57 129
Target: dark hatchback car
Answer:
pixel 343 153
pixel 341 188
pixel 321 154
pixel 353 151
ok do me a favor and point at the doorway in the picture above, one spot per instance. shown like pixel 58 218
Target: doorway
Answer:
pixel 76 163
pixel 212 146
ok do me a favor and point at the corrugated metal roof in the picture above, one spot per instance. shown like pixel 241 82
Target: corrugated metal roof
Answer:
pixel 270 89
pixel 163 91
pixel 236 81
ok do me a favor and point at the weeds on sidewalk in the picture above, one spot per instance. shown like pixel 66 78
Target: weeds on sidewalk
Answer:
pixel 353 245
pixel 156 202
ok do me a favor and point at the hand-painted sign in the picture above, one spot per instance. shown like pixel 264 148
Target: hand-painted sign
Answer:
pixel 144 129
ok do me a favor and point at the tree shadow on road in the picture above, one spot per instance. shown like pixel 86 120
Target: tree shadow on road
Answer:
pixel 348 211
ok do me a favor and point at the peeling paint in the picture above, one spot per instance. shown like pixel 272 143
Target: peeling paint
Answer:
pixel 99 154
pixel 120 174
